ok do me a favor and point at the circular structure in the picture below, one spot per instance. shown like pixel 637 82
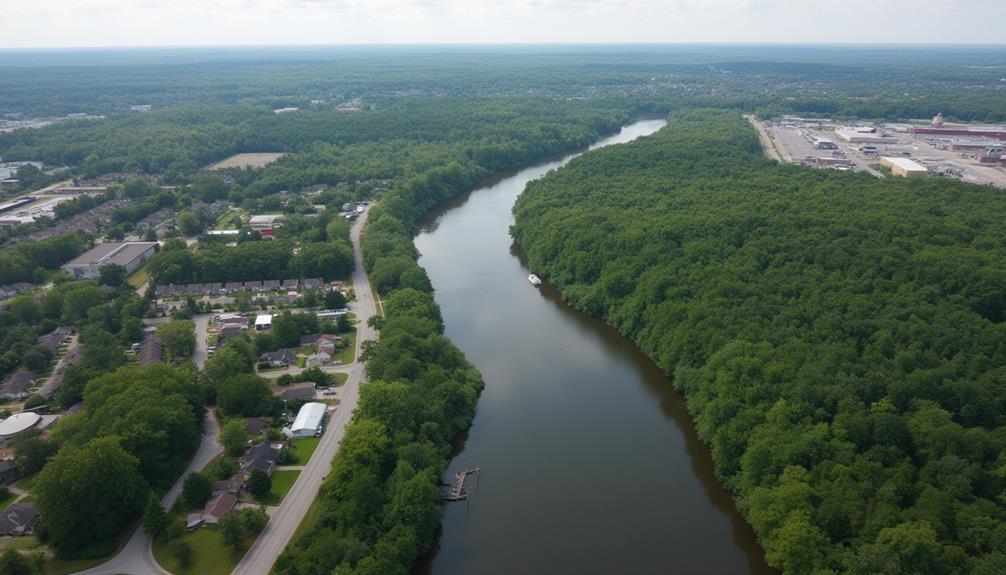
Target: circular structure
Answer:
pixel 18 424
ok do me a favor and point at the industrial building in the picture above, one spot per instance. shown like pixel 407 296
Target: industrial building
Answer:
pixel 861 136
pixel 129 255
pixel 904 167
pixel 17 424
pixel 309 420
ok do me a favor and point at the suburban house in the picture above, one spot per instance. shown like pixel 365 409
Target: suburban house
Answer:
pixel 18 519
pixel 261 457
pixel 219 505
pixel 16 386
pixel 263 322
pixel 9 472
pixel 129 255
pixel 308 340
pixel 256 425
pixel 301 393
pixel 280 358
pixel 52 340
pixel 318 359
pixel 235 486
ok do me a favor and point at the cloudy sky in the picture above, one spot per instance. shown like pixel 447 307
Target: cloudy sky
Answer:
pixel 55 23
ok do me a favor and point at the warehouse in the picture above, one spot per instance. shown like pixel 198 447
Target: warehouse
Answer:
pixel 308 422
pixel 861 136
pixel 904 167
pixel 129 255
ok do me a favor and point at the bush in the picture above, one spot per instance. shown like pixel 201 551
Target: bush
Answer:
pixel 197 490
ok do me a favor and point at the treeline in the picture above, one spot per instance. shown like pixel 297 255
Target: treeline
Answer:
pixel 838 338
pixel 28 261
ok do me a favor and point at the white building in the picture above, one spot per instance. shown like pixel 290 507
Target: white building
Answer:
pixel 308 422
pixel 129 255
pixel 263 322
pixel 904 167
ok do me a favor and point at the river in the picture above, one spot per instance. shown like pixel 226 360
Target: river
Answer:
pixel 590 463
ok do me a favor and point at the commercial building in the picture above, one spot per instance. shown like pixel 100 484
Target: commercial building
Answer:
pixel 309 421
pixel 17 424
pixel 904 167
pixel 861 136
pixel 129 255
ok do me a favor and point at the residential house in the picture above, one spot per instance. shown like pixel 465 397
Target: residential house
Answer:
pixel 270 285
pixel 235 486
pixel 291 285
pixel 253 286
pixel 16 386
pixel 256 426
pixel 313 284
pixel 18 519
pixel 281 358
pixel 9 472
pixel 233 287
pixel 162 291
pixel 318 359
pixel 228 331
pixel 219 505
pixel 300 393
pixel 261 457
pixel 309 340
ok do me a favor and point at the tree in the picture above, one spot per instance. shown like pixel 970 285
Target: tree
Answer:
pixel 179 338
pixel 32 452
pixel 189 224
pixel 197 490
pixel 234 437
pixel 35 360
pixel 240 525
pixel 245 395
pixel 13 562
pixel 155 519
pixel 334 299
pixel 182 551
pixel 34 401
pixel 259 484
pixel 88 494
pixel 112 275
pixel 224 468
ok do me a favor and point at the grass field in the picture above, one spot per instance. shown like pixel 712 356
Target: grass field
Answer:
pixel 246 161
pixel 305 448
pixel 348 354
pixel 282 481
pixel 229 221
pixel 140 276
pixel 209 554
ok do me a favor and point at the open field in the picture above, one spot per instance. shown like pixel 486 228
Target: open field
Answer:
pixel 305 448
pixel 209 554
pixel 246 161
pixel 282 481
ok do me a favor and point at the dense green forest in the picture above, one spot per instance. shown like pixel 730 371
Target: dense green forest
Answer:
pixel 839 338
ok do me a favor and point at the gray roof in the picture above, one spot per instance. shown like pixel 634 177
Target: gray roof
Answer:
pixel 17 518
pixel 111 253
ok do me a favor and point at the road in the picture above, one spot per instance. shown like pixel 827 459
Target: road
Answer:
pixel 201 352
pixel 136 558
pixel 766 140
pixel 49 387
pixel 284 522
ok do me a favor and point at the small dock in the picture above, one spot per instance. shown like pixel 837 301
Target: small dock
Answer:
pixel 459 492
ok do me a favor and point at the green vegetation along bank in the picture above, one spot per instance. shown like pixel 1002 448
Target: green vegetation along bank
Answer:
pixel 839 338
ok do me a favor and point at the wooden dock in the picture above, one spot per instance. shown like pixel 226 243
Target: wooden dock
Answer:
pixel 459 492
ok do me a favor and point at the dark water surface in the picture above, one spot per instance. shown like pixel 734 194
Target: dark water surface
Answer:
pixel 589 461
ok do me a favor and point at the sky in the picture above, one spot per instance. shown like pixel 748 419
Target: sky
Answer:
pixel 94 23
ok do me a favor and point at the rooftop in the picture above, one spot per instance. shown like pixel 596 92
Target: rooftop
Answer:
pixel 111 253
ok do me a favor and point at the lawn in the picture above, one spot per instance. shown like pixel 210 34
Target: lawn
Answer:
pixel 347 354
pixel 209 554
pixel 140 276
pixel 11 497
pixel 305 448
pixel 229 221
pixel 282 481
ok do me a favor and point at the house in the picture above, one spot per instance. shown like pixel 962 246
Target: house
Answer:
pixel 253 286
pixel 300 393
pixel 16 386
pixel 219 505
pixel 261 457
pixel 313 284
pixel 52 340
pixel 235 486
pixel 129 255
pixel 18 519
pixel 318 359
pixel 162 291
pixel 256 425
pixel 309 340
pixel 291 285
pixel 228 331
pixel 177 291
pixel 214 287
pixel 280 358
pixel 194 289
pixel 9 472
pixel 233 287
pixel 270 285
pixel 326 346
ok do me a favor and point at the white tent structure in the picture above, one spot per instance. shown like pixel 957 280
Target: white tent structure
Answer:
pixel 308 422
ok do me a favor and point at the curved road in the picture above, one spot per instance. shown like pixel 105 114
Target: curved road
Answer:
pixel 284 522
pixel 136 557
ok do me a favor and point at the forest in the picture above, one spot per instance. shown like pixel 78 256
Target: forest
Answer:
pixel 839 338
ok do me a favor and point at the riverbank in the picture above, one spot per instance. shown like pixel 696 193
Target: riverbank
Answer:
pixel 581 440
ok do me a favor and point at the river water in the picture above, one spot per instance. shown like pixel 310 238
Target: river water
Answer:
pixel 589 461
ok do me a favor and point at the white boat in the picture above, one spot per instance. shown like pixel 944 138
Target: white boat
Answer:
pixel 535 280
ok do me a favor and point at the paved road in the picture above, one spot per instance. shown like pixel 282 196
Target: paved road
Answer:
pixel 136 558
pixel 260 558
pixel 49 387
pixel 768 146
pixel 201 352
